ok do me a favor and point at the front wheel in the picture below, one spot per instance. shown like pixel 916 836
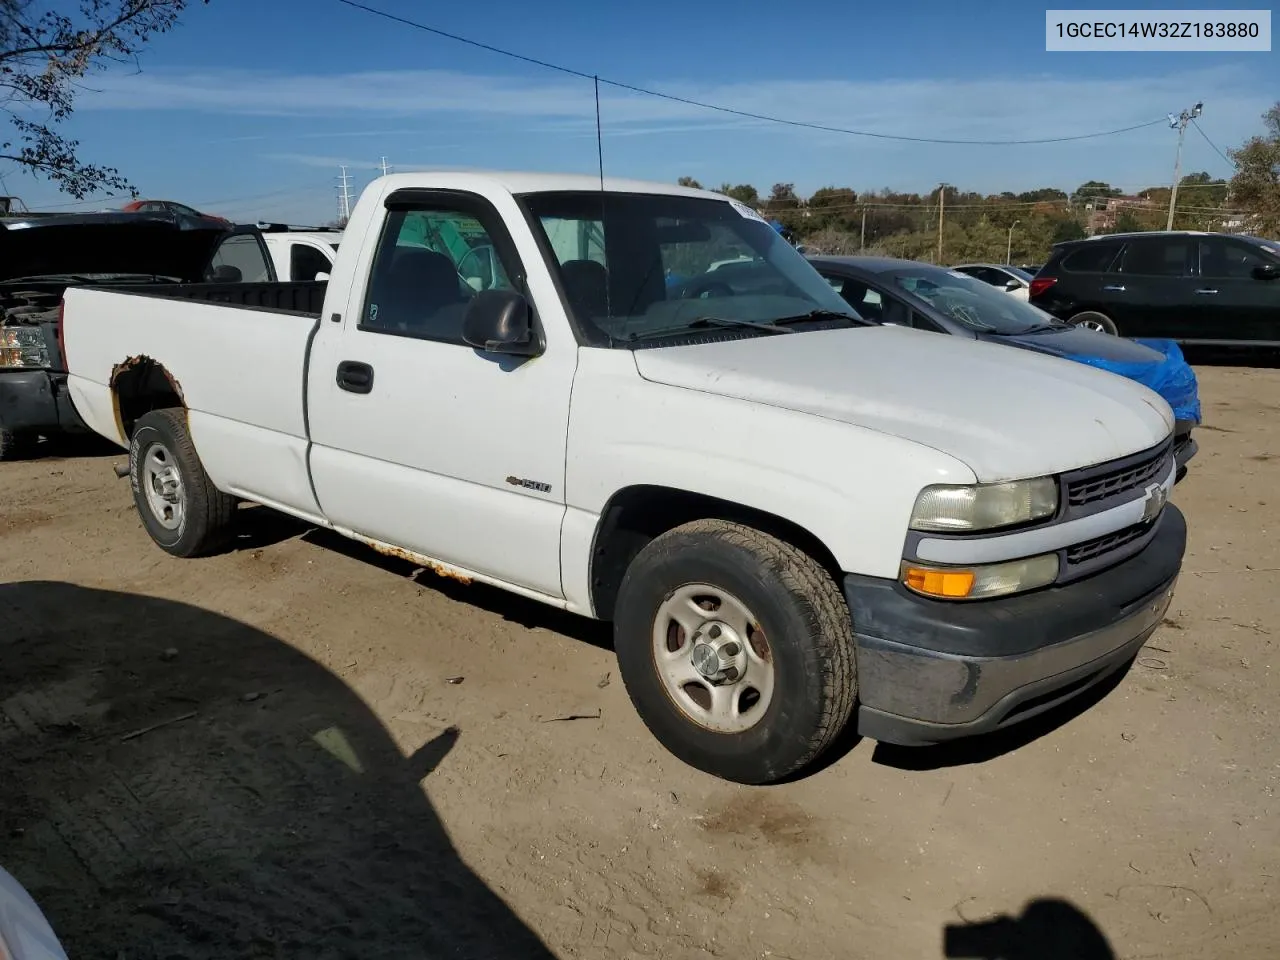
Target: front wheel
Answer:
pixel 1095 321
pixel 736 649
pixel 184 513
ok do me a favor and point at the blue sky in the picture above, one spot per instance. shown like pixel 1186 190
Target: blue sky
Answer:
pixel 248 108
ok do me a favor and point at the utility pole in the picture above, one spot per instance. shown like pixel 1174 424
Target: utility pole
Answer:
pixel 1180 123
pixel 1008 250
pixel 344 196
pixel 862 244
pixel 942 199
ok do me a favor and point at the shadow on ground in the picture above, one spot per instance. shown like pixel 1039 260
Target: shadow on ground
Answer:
pixel 1048 929
pixel 177 784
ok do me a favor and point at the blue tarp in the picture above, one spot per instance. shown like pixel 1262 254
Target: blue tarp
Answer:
pixel 1172 377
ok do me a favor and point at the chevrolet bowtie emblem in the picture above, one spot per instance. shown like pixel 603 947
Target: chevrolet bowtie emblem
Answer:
pixel 1156 498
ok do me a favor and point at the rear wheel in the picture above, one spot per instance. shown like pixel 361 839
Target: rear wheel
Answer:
pixel 736 649
pixel 184 513
pixel 1093 320
pixel 16 446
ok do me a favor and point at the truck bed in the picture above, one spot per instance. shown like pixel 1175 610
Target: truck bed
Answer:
pixel 235 353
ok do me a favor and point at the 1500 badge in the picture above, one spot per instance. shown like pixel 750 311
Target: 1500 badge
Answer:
pixel 529 484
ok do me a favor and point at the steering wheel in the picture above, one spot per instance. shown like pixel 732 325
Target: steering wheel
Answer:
pixel 490 255
pixel 699 288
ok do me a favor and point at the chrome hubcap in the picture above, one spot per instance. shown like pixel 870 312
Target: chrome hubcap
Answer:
pixel 713 658
pixel 162 484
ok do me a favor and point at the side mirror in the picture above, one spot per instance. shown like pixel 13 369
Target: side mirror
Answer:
pixel 1012 285
pixel 1266 271
pixel 225 274
pixel 500 321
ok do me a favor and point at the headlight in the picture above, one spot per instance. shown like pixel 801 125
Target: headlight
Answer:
pixel 23 347
pixel 980 582
pixel 959 509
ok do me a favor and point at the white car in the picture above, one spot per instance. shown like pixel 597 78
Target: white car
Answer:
pixel 301 256
pixel 1012 280
pixel 793 518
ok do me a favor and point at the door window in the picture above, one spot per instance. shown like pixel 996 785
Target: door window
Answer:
pixel 240 259
pixel 1223 259
pixel 1092 257
pixel 429 265
pixel 1156 257
pixel 305 261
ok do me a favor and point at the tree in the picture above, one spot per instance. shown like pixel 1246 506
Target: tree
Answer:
pixel 1255 188
pixel 689 182
pixel 44 54
pixel 743 193
pixel 1095 188
pixel 1067 229
pixel 833 207
pixel 1127 222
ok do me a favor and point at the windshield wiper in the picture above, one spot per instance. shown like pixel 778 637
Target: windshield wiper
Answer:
pixel 820 315
pixel 703 323
pixel 1037 328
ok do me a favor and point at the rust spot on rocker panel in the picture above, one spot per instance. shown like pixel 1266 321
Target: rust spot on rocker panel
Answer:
pixel 439 569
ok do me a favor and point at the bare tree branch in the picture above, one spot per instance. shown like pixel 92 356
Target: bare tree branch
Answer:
pixel 44 56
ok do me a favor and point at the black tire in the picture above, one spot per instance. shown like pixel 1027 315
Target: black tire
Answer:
pixel 16 446
pixel 1086 318
pixel 204 522
pixel 801 612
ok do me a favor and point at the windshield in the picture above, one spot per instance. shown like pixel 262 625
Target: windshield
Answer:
pixel 650 266
pixel 977 305
pixel 1020 273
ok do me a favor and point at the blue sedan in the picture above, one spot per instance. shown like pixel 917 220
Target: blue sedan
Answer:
pixel 912 294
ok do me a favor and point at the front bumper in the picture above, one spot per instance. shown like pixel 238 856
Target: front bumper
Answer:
pixel 931 671
pixel 37 401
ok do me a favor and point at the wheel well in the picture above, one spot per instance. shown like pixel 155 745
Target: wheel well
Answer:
pixel 138 386
pixel 636 515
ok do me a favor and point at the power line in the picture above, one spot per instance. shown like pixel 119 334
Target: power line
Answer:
pixel 1213 145
pixel 747 114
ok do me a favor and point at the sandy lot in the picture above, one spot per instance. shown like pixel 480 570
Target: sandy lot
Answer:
pixel 304 749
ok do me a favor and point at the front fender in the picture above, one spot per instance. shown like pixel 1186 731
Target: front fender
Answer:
pixel 851 488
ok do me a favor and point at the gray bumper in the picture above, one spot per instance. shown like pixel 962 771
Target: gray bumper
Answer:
pixel 37 402
pixel 930 671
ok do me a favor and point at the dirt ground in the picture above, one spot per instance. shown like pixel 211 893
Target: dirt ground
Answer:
pixel 304 749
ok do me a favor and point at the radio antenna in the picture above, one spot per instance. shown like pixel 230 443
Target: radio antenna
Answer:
pixel 608 304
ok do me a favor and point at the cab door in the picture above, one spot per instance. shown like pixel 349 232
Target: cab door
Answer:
pixel 421 441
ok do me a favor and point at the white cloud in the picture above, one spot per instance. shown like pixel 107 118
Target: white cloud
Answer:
pixel 961 108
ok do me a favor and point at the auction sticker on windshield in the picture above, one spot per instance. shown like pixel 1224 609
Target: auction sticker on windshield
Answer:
pixel 746 211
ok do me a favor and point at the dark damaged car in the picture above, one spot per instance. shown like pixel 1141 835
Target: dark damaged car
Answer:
pixel 41 256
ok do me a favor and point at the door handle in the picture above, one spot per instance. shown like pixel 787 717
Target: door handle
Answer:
pixel 355 377
pixel 1206 290
pixel 1115 288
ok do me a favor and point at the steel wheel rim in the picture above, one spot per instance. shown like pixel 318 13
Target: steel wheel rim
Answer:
pixel 162 485
pixel 1094 325
pixel 713 658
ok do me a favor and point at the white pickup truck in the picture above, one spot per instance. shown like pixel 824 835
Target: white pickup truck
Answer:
pixel 792 518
